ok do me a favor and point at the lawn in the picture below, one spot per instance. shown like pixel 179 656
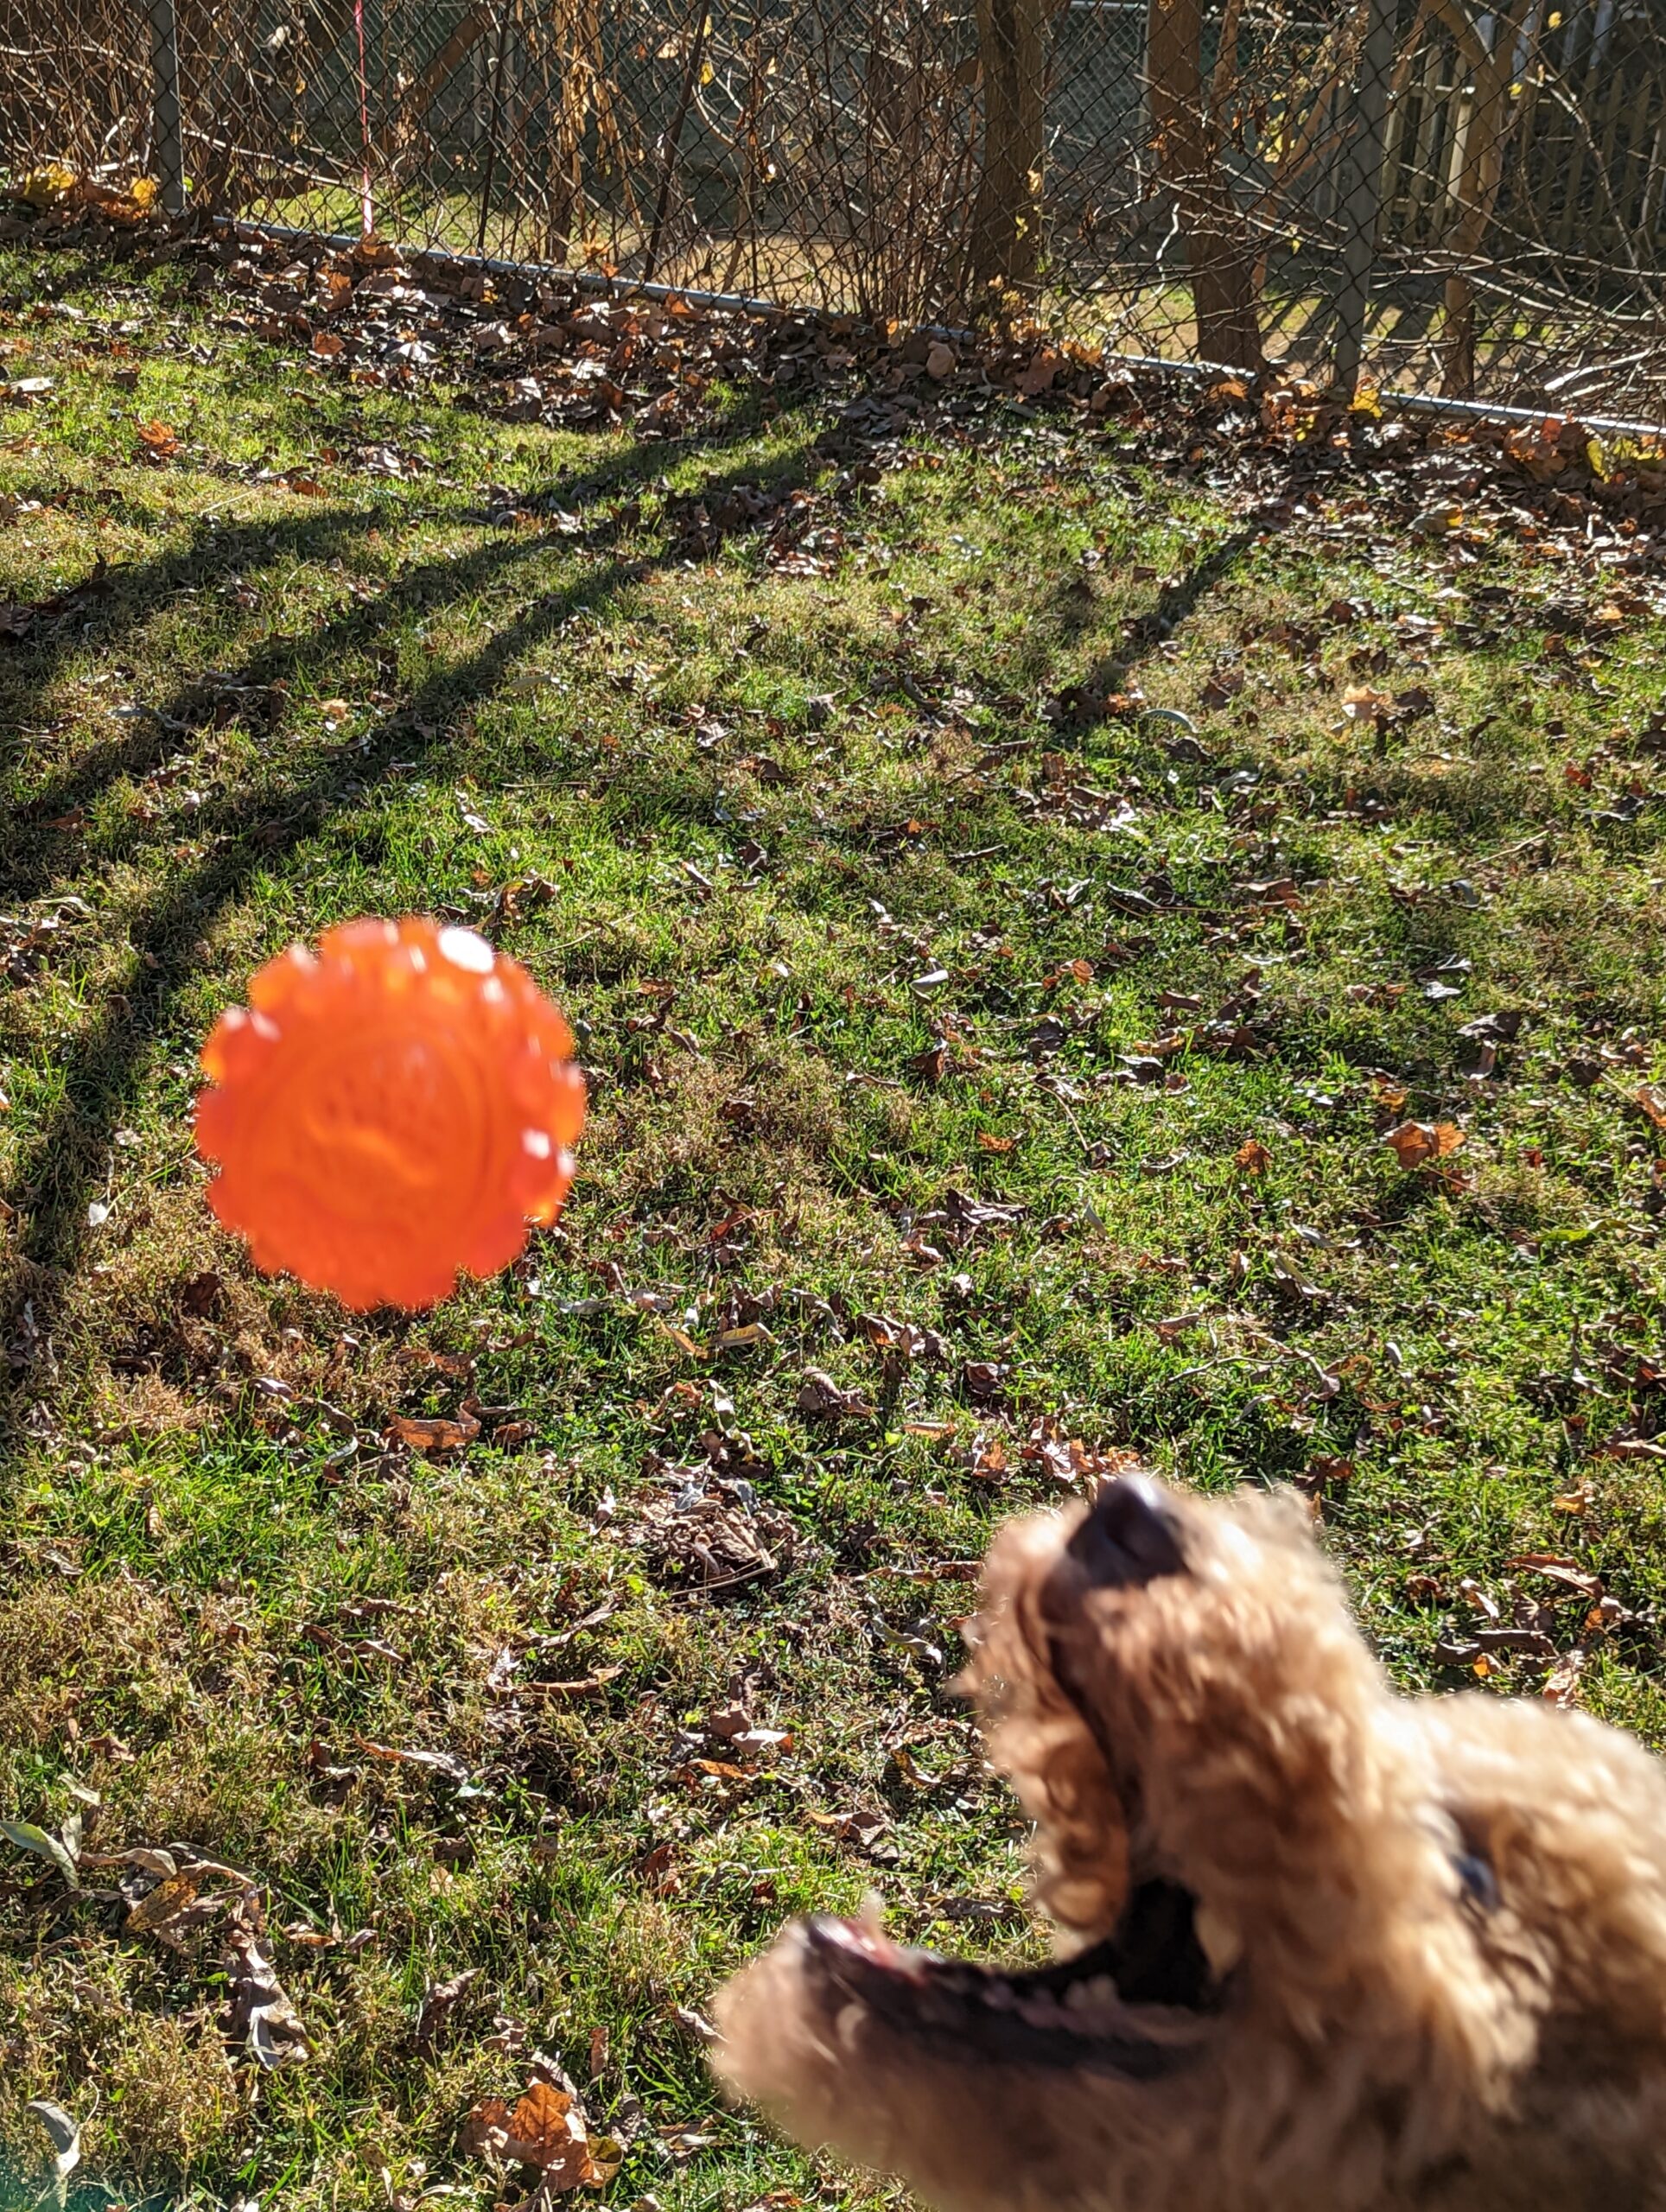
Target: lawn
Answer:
pixel 989 1075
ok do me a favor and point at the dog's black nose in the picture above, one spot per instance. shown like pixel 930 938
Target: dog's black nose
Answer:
pixel 1131 1536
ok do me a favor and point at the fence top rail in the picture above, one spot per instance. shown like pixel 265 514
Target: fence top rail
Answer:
pixel 631 288
pixel 1391 190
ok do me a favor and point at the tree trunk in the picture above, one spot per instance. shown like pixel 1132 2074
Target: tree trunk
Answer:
pixel 1479 177
pixel 1184 147
pixel 1006 245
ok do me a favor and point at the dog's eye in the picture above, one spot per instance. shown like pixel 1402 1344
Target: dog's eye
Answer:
pixel 1131 1536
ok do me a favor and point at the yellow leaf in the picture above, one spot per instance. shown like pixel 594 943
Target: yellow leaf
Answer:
pixel 45 186
pixel 165 1903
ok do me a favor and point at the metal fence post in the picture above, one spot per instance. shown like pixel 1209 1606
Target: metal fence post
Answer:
pixel 1359 187
pixel 167 146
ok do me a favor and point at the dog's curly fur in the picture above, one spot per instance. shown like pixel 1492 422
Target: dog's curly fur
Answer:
pixel 1351 1953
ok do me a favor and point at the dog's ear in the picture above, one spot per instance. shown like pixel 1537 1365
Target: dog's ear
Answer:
pixel 1037 1738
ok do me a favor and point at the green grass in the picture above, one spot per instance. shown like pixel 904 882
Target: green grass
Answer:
pixel 745 852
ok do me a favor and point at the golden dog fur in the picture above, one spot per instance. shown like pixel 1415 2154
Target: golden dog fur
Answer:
pixel 1408 1955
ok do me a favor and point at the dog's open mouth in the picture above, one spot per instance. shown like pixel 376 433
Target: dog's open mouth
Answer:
pixel 1137 2005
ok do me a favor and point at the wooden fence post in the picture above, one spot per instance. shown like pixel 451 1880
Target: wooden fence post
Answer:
pixel 1359 190
pixel 1186 154
pixel 1006 241
pixel 166 147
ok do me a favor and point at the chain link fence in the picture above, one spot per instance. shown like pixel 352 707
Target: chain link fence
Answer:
pixel 1440 198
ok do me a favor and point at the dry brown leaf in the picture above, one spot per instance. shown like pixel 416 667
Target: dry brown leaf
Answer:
pixel 440 2000
pixel 65 2138
pixel 1176 1325
pixel 749 1336
pixel 987 1142
pixel 1360 702
pixel 989 1460
pixel 157 439
pixel 433 1435
pixel 1562 1684
pixel 820 1396
pixel 1326 1468
pixel 200 1293
pixel 1279 890
pixel 1040 375
pixel 260 2015
pixel 444 1363
pixel 443 1763
pixel 1556 1568
pixel 546 2130
pixel 1651 1096
pixel 1253 1157
pixel 585 1686
pixel 1415 1143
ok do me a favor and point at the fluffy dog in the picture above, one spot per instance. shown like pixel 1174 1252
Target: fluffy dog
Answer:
pixel 1320 1948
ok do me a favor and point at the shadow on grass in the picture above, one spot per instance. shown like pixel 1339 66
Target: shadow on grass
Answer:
pixel 263 821
pixel 32 856
pixel 1176 601
pixel 135 596
pixel 271 816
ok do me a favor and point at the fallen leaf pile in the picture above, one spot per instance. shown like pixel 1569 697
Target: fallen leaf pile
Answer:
pixel 711 1533
pixel 561 352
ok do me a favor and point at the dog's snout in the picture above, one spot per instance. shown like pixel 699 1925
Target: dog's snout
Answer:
pixel 1131 1536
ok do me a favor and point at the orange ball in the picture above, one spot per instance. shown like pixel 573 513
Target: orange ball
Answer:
pixel 389 1111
